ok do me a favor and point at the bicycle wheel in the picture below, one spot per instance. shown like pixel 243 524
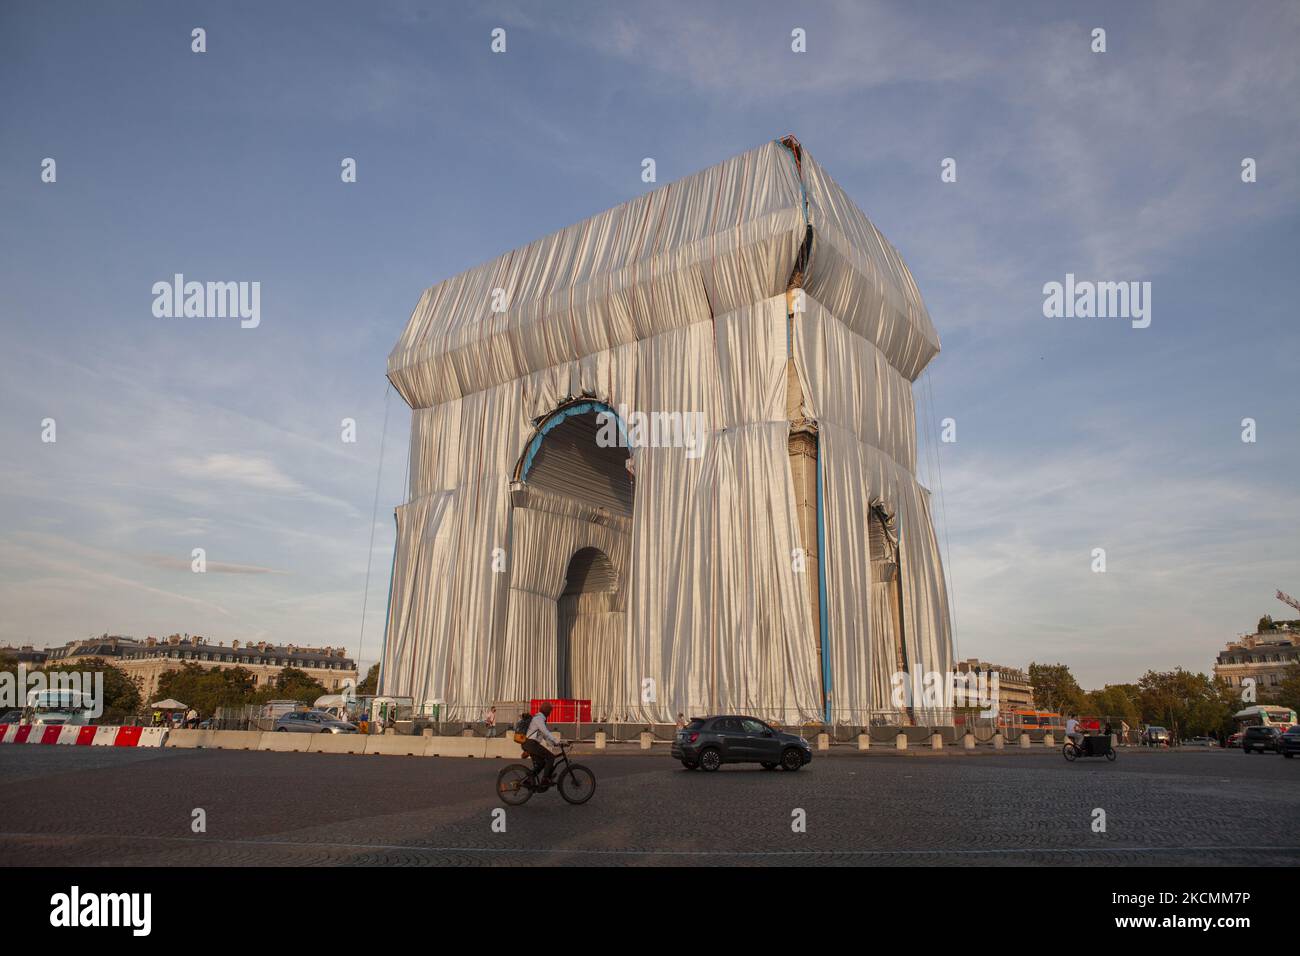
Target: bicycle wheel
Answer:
pixel 1070 752
pixel 514 786
pixel 577 784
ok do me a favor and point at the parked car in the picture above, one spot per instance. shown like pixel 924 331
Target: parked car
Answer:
pixel 1234 740
pixel 1289 743
pixel 313 722
pixel 1156 737
pixel 1262 739
pixel 11 717
pixel 709 742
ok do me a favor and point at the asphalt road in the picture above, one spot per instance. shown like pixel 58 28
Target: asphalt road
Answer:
pixel 85 806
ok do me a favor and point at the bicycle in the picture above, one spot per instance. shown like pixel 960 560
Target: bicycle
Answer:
pixel 517 783
pixel 1093 746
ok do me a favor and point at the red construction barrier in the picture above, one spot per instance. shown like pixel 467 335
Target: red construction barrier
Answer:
pixel 69 735
pixel 566 710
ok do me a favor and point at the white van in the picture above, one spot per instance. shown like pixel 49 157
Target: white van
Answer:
pixel 54 707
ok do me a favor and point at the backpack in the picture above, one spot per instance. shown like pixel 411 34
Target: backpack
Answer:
pixel 521 727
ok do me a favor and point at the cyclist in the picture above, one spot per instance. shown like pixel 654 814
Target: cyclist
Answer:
pixel 533 746
pixel 1072 731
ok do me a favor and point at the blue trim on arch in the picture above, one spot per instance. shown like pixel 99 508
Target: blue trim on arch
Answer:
pixel 388 608
pixel 821 593
pixel 557 418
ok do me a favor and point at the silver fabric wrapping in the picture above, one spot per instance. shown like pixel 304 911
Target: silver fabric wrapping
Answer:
pixel 672 302
pixel 864 411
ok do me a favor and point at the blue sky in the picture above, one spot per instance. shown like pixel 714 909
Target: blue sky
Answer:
pixel 1071 433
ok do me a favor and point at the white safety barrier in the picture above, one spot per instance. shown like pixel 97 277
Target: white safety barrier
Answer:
pixel 78 735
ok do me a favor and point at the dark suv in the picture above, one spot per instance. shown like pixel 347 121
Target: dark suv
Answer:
pixel 709 742
pixel 1289 742
pixel 1262 739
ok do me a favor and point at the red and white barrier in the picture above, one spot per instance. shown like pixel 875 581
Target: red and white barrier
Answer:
pixel 78 736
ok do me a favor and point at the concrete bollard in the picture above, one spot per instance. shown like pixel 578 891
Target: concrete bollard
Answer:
pixel 936 741
pixel 1025 743
pixel 968 741
pixel 600 740
pixel 900 742
pixel 427 732
pixel 467 733
pixel 823 741
pixel 999 742
pixel 646 740
pixel 1049 741
pixel 864 742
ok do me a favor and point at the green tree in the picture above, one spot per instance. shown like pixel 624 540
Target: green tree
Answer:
pixel 1119 702
pixel 121 692
pixel 207 689
pixel 1286 693
pixel 292 684
pixel 1055 688
pixel 1265 624
pixel 371 684
pixel 1187 704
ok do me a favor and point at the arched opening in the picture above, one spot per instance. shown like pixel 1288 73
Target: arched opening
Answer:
pixel 886 603
pixel 585 642
pixel 571 522
pixel 579 452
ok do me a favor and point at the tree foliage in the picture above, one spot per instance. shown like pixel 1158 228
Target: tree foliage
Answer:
pixel 371 684
pixel 121 692
pixel 291 684
pixel 1055 688
pixel 1187 704
pixel 1286 693
pixel 206 690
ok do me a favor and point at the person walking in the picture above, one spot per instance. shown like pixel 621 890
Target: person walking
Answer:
pixel 681 721
pixel 192 718
pixel 490 719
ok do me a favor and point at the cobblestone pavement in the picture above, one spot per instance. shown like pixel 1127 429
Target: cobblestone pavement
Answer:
pixel 106 806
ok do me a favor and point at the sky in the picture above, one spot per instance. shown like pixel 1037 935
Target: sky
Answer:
pixel 1071 433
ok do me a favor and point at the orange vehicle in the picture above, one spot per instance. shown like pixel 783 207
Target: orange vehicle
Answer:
pixel 1028 720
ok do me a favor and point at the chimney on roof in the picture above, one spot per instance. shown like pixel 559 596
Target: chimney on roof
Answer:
pixel 234 645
